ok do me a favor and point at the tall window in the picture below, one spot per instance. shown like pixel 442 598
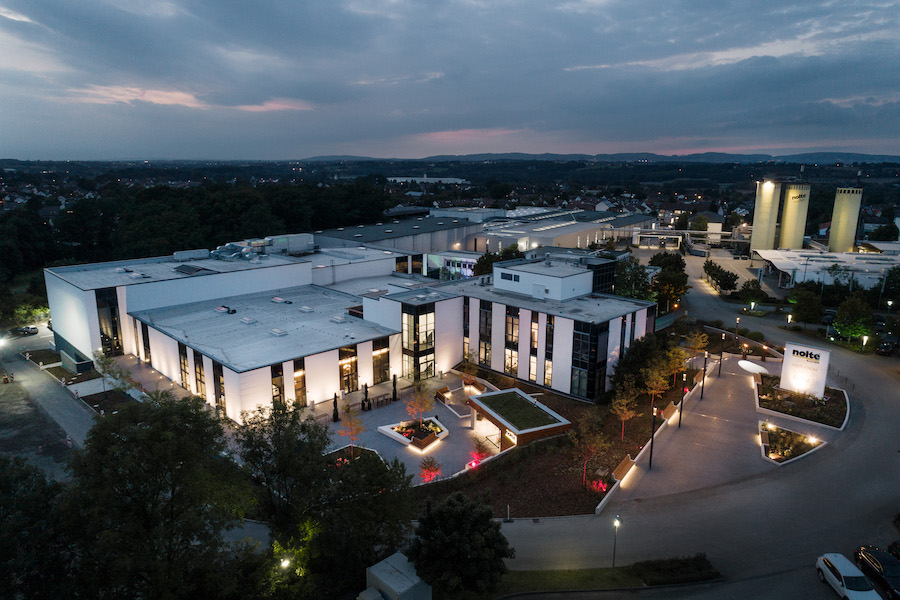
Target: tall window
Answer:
pixel 418 340
pixel 579 382
pixel 145 333
pixel 277 383
pixel 108 315
pixel 484 353
pixel 512 327
pixel 183 363
pixel 532 368
pixel 511 361
pixel 381 360
pixel 300 382
pixel 426 331
pixel 548 372
pixel 534 333
pixel 199 379
pixel 347 362
pixel 219 387
pixel 548 345
pixel 465 327
pixel 485 317
pixel 137 337
pixel 409 331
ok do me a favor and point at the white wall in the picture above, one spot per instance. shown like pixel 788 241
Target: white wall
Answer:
pixel 613 351
pixel 322 377
pixel 330 274
pixel 563 330
pixel 448 333
pixel 533 284
pixel 364 368
pixel 208 379
pixel 164 354
pixel 233 396
pixel 640 326
pixel 386 313
pixel 254 388
pixel 74 314
pixel 154 294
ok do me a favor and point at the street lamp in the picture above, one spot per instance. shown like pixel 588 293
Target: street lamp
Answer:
pixel 721 353
pixel 865 340
pixel 752 306
pixel 765 348
pixel 652 437
pixel 616 524
pixel 890 303
pixel 789 319
pixel 737 323
pixel 703 382
pixel 683 397
pixel 285 563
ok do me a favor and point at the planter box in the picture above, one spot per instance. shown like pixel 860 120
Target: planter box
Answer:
pixel 422 443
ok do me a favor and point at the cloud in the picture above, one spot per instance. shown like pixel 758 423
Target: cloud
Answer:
pixel 277 104
pixel 106 94
pixel 14 16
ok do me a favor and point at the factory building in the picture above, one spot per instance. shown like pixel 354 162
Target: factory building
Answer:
pixel 844 220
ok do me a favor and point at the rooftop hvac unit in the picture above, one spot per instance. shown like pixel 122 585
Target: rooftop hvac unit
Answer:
pixel 225 309
pixel 338 319
pixel 248 320
pixel 280 300
pixel 278 332
pixel 305 309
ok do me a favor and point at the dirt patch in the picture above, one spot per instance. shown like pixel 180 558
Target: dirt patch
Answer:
pixel 26 431
pixel 48 357
pixel 108 402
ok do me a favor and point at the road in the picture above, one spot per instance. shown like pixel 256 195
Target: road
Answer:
pixel 762 532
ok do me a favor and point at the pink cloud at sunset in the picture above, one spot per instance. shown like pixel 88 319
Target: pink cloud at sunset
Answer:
pixel 276 104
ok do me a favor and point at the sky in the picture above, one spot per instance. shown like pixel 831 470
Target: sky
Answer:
pixel 292 79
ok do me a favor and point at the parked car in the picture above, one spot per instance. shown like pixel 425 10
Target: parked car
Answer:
pixel 884 349
pixel 22 331
pixel 882 567
pixel 847 580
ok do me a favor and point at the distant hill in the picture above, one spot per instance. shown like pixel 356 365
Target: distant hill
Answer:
pixel 704 157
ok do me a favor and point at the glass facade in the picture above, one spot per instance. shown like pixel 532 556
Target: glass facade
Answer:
pixel 108 315
pixel 418 341
pixel 348 369
pixel 300 382
pixel 219 386
pixel 381 360
pixel 145 334
pixel 277 383
pixel 199 378
pixel 512 327
pixel 588 362
pixel 484 352
pixel 510 361
pixel 183 363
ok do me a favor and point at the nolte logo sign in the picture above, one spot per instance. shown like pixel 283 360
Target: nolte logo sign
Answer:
pixel 806 354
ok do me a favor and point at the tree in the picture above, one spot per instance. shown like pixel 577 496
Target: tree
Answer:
pixel 674 362
pixel 751 291
pixel 884 233
pixel 807 308
pixel 632 280
pixel 681 223
pixel 668 260
pixel 419 403
pixel 700 223
pixel 151 493
pixel 588 440
pixel 284 452
pixel 110 369
pixel 670 285
pixel 429 469
pixel 696 341
pixel 623 404
pixel 485 264
pixel 352 428
pixel 854 318
pixel 458 546
pixel 655 381
pixel 35 559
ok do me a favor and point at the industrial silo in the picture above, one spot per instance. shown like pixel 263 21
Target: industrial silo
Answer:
pixel 793 216
pixel 765 216
pixel 844 219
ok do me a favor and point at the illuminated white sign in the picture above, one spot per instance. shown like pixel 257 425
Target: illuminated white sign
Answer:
pixel 804 369
pixel 511 436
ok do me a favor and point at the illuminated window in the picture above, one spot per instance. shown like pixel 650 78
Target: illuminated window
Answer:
pixel 348 369
pixel 199 379
pixel 548 373
pixel 484 352
pixel 183 363
pixel 511 361
pixel 300 382
pixel 381 360
pixel 277 383
pixel 532 368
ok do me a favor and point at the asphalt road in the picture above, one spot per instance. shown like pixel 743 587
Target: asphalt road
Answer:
pixel 762 532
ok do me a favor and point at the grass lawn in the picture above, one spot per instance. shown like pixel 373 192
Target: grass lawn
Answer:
pixel 521 413
pixel 48 357
pixel 829 411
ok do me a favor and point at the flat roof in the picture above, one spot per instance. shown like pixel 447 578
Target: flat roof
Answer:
pixel 261 331
pixel 591 308
pixel 558 269
pixel 379 284
pixel 94 276
pixel 393 229
pixel 422 296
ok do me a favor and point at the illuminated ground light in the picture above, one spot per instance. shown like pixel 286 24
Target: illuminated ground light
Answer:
pixel 786 445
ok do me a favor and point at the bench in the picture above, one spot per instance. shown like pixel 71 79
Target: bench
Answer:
pixel 441 394
pixel 622 470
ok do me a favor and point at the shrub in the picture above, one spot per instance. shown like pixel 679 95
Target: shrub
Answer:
pixel 684 569
pixel 756 336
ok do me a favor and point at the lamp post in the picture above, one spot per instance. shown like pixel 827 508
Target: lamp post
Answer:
pixel 789 319
pixel 683 397
pixel 745 351
pixel 703 382
pixel 652 437
pixel 616 522
pixel 890 303
pixel 737 323
pixel 764 352
pixel 721 353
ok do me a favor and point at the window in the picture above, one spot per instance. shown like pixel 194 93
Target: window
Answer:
pixel 409 366
pixel 485 317
pixel 512 327
pixel 532 368
pixel 183 363
pixel 426 331
pixel 579 382
pixel 300 382
pixel 381 360
pixel 466 316
pixel 534 333
pixel 466 348
pixel 108 316
pixel 409 328
pixel 277 383
pixel 219 387
pixel 137 338
pixel 145 333
pixel 348 372
pixel 484 353
pixel 199 379
pixel 548 372
pixel 418 340
pixel 401 265
pixel 548 351
pixel 510 361
pixel 507 276
pixel 426 366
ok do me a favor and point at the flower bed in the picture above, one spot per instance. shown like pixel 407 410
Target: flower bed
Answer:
pixel 830 410
pixel 785 445
pixel 412 433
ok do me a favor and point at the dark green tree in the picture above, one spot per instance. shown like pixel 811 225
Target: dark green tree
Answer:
pixel 284 452
pixel 668 260
pixel 669 286
pixel 751 291
pixel 806 306
pixel 35 561
pixel 458 546
pixel 632 280
pixel 854 318
pixel 884 233
pixel 151 493
pixel 700 223
pixel 681 223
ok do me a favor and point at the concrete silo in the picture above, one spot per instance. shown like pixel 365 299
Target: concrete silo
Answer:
pixel 844 219
pixel 765 216
pixel 793 216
